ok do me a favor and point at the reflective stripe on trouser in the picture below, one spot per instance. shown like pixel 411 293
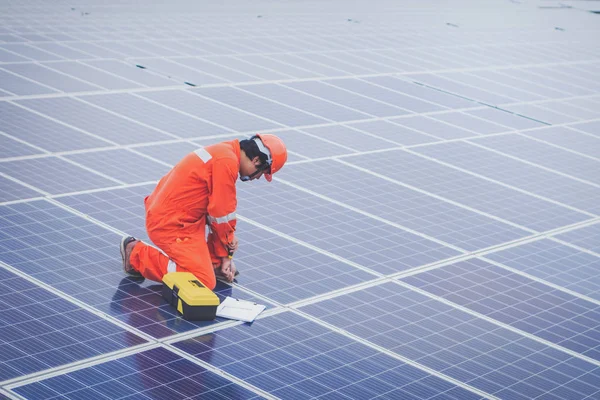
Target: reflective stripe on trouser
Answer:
pixel 190 255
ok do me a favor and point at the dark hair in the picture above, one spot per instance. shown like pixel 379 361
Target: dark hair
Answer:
pixel 250 147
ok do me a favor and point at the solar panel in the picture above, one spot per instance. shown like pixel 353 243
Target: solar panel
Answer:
pixel 41 330
pixel 523 303
pixel 433 234
pixel 457 344
pixel 142 375
pixel 292 357
pixel 488 197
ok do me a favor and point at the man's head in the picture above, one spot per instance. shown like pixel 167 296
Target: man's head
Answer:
pixel 263 154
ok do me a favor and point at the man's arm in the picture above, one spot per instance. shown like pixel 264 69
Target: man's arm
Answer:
pixel 222 204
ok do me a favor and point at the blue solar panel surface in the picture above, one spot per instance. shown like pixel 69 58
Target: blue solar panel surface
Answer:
pixel 434 234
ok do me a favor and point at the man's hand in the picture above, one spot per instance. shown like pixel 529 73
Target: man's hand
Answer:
pixel 227 270
pixel 233 245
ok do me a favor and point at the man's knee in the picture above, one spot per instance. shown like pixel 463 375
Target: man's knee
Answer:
pixel 207 277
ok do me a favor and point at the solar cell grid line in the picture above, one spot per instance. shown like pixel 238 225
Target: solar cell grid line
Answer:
pixel 361 140
pixel 220 70
pixel 297 71
pixel 10 56
pixel 51 78
pixel 524 177
pixel 60 263
pixel 432 55
pixel 263 72
pixel 458 344
pixel 522 146
pixel 35 54
pixel 308 102
pixel 440 248
pixel 186 114
pixel 399 84
pixel 14 190
pixel 151 374
pixel 54 175
pixel 473 123
pixel 585 238
pixel 399 135
pixel 349 235
pixel 316 147
pixel 261 106
pixel 93 120
pixel 339 60
pixel 524 210
pixel 11 148
pixel 415 211
pixel 589 127
pixel 59 48
pixel 428 125
pixel 133 167
pixel 49 134
pixel 391 96
pixel 175 123
pixel 309 64
pixel 559 85
pixel 300 359
pixel 564 107
pixel 179 70
pixel 515 300
pixel 395 181
pixel 345 98
pixel 589 180
pixel 517 93
pixel 397 64
pixel 212 110
pixel 556 262
pixel 460 88
pixel 540 114
pixel 92 75
pixel 340 90
pixel 42 329
pixel 15 84
pixel 510 79
pixel 95 48
pixel 559 73
pixel 131 72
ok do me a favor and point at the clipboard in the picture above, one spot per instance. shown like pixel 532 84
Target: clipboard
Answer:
pixel 241 310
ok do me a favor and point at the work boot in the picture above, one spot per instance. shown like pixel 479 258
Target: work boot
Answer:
pixel 127 245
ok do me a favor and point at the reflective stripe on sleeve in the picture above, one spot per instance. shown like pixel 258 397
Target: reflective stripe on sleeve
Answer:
pixel 171 266
pixel 203 154
pixel 220 220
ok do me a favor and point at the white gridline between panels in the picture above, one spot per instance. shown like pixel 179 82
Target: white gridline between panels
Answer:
pixel 343 73
pixel 323 38
pixel 197 332
pixel 324 197
pixel 135 121
pixel 240 87
pixel 166 164
pixel 83 364
pixel 346 51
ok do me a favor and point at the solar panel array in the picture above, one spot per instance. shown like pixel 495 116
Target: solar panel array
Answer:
pixel 434 235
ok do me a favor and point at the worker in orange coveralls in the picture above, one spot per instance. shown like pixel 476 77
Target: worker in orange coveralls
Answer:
pixel 199 191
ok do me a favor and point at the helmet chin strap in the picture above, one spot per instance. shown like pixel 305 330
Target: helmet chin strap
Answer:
pixel 259 170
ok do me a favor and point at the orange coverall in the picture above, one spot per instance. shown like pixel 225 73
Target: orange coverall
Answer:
pixel 199 190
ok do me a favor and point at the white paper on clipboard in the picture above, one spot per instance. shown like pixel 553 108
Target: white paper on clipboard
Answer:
pixel 241 310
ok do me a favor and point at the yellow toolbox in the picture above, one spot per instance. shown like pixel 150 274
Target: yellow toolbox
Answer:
pixel 189 296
